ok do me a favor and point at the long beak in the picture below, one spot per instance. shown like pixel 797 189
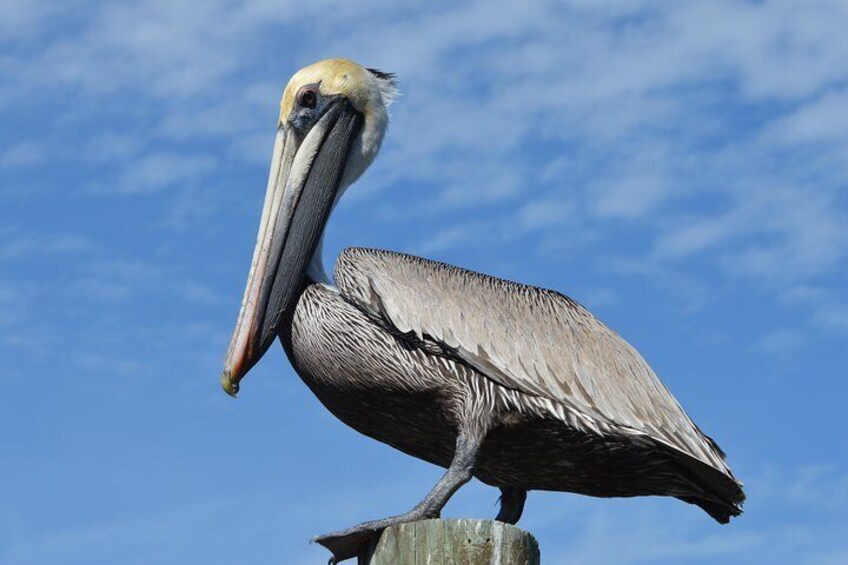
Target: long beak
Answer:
pixel 302 187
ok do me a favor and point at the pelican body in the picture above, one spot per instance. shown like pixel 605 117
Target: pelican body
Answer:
pixel 518 386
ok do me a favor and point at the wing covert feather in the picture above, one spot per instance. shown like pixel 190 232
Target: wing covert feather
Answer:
pixel 525 338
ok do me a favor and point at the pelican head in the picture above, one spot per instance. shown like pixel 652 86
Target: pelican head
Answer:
pixel 333 115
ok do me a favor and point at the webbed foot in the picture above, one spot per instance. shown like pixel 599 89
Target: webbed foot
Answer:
pixel 346 544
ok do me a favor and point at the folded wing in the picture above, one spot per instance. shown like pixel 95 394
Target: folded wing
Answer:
pixel 533 340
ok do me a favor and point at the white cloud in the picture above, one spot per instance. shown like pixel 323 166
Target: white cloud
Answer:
pixel 834 315
pixel 775 527
pixel 818 487
pixel 640 92
pixel 596 298
pixel 158 171
pixel 110 146
pixel 126 535
pixel 692 292
pixel 113 365
pixel 448 238
pixel 781 341
pixel 826 309
pixel 22 154
pixel 550 118
pixel 200 293
pixel 822 120
pixel 810 233
pixel 16 244
pixel 543 213
pixel 22 19
pixel 635 187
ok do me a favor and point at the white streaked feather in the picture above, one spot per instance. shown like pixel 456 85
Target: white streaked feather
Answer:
pixel 526 339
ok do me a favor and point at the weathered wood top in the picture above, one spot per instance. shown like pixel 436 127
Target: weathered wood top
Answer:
pixel 453 542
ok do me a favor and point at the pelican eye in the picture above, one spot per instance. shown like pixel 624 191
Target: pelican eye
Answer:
pixel 307 97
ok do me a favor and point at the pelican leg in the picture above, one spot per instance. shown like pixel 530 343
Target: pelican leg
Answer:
pixel 512 504
pixel 347 543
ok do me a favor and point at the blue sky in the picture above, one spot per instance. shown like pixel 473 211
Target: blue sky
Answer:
pixel 680 168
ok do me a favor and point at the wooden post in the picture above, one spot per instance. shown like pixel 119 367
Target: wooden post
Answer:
pixel 452 542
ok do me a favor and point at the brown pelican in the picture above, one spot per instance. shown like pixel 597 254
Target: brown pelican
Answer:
pixel 518 386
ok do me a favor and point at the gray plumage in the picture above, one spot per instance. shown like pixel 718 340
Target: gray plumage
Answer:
pixel 415 353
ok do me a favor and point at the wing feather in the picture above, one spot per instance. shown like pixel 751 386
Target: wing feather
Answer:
pixel 528 339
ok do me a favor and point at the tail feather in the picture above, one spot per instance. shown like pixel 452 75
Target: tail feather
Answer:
pixel 717 492
pixel 721 512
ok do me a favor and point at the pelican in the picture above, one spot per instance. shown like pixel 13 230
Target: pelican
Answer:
pixel 518 386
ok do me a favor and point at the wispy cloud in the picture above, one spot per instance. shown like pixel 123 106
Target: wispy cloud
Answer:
pixel 16 243
pixel 632 90
pixel 158 171
pixel 22 154
pixel 696 150
pixel 782 342
pixel 619 532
